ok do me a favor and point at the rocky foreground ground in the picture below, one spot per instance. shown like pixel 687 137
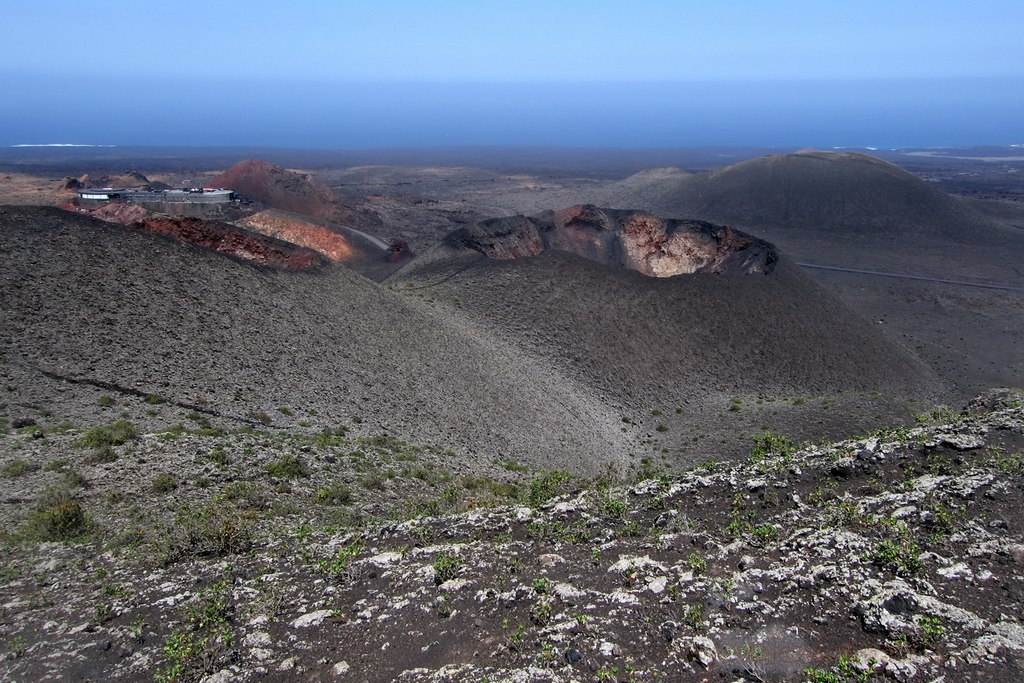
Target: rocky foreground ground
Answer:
pixel 196 554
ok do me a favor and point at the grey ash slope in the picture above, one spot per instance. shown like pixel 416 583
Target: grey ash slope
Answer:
pixel 97 302
pixel 692 342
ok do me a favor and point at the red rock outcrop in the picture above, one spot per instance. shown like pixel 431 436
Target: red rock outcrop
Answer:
pixel 398 250
pixel 228 239
pixel 280 188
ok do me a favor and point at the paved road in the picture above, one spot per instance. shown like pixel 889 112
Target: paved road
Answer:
pixel 375 240
pixel 965 283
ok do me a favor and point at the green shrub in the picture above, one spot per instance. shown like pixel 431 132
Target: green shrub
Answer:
pixel 513 466
pixel 114 434
pixel 210 530
pixel 334 495
pixel 698 565
pixel 338 565
pixel 548 485
pixel 246 494
pixel 203 645
pixel 219 457
pixel 163 483
pixel 74 480
pixel 901 557
pixel 694 617
pixel 105 401
pixel 769 445
pixel 102 455
pixel 155 399
pixel 58 517
pixel 288 467
pixel 262 418
pixel 812 675
pixel 16 468
pixel 446 567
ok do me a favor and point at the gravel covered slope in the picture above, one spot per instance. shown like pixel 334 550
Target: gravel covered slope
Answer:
pixel 892 556
pixel 114 310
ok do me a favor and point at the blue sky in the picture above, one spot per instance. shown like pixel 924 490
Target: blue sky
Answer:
pixel 629 69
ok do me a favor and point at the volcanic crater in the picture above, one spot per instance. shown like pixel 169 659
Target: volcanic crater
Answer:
pixel 633 240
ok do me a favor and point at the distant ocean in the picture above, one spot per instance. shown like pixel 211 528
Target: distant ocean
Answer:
pixel 185 111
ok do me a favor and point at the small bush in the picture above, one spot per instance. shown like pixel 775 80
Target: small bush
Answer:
pixel 16 468
pixel 155 399
pixel 661 428
pixel 210 530
pixel 374 481
pixel 163 483
pixel 74 480
pixel 246 494
pixel 335 495
pixel 285 410
pixel 201 420
pixel 100 456
pixel 262 418
pixel 548 485
pixel 204 644
pixel 768 445
pixel 114 434
pixel 901 558
pixel 288 467
pixel 105 401
pixel 219 457
pixel 446 567
pixel 698 565
pixel 813 675
pixel 339 565
pixel 58 517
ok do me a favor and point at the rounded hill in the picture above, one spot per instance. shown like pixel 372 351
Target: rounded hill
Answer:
pixel 280 188
pixel 842 194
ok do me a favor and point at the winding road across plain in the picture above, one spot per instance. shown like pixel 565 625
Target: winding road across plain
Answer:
pixel 906 276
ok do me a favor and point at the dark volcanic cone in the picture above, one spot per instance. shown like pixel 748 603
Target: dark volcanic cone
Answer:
pixel 279 188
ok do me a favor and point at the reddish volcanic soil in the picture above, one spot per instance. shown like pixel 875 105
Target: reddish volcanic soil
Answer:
pixel 234 241
pixel 303 233
pixel 280 188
